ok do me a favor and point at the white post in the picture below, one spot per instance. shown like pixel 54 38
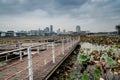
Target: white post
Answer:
pixel 53 52
pixel 31 43
pixel 43 46
pixel 6 57
pixel 71 42
pixel 20 52
pixel 67 43
pixel 91 48
pixel 6 43
pixel 78 38
pixel 38 50
pixel 30 70
pixel 20 55
pixel 63 46
pixel 47 46
pixel 45 62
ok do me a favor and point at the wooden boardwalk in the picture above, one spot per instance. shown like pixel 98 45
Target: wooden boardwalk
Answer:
pixel 43 64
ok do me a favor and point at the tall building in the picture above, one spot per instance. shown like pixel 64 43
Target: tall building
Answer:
pixel 51 28
pixel 21 33
pixel 64 31
pixel 78 30
pixel 2 34
pixel 58 31
pixel 46 30
pixel 10 34
pixel 34 32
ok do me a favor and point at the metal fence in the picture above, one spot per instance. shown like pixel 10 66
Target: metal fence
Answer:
pixel 22 63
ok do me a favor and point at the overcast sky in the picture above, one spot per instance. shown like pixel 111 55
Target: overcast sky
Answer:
pixel 92 15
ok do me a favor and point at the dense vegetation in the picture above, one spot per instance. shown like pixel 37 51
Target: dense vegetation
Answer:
pixel 101 40
pixel 97 60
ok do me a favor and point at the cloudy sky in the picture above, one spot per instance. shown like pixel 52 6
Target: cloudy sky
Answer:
pixel 92 15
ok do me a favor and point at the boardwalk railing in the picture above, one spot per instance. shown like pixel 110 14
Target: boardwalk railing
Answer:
pixel 27 61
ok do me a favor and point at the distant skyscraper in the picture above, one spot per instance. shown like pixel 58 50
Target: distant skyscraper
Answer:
pixel 46 29
pixel 78 30
pixel 58 31
pixel 51 28
pixel 64 31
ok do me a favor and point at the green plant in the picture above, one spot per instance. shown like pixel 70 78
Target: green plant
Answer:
pixel 83 57
pixel 110 61
pixel 111 51
pixel 74 75
pixel 96 73
pixel 85 77
pixel 88 49
pixel 114 46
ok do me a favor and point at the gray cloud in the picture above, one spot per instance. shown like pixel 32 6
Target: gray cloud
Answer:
pixel 65 4
pixel 52 6
pixel 15 6
pixel 83 12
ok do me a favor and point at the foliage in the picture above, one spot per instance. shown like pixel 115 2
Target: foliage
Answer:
pixel 115 46
pixel 85 77
pixel 109 60
pixel 102 60
pixel 88 49
pixel 96 72
pixel 84 57
pixel 111 51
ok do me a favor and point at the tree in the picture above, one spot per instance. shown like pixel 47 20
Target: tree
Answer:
pixel 118 28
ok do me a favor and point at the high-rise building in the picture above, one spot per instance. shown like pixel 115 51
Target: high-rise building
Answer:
pixel 51 28
pixel 34 32
pixel 2 34
pixel 58 31
pixel 64 31
pixel 78 30
pixel 10 34
pixel 46 30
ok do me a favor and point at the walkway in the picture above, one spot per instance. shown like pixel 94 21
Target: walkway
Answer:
pixel 40 65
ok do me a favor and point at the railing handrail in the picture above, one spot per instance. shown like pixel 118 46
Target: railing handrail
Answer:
pixel 15 50
pixel 21 49
pixel 61 41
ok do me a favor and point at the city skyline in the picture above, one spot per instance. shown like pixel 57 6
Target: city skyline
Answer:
pixel 92 15
pixel 49 29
